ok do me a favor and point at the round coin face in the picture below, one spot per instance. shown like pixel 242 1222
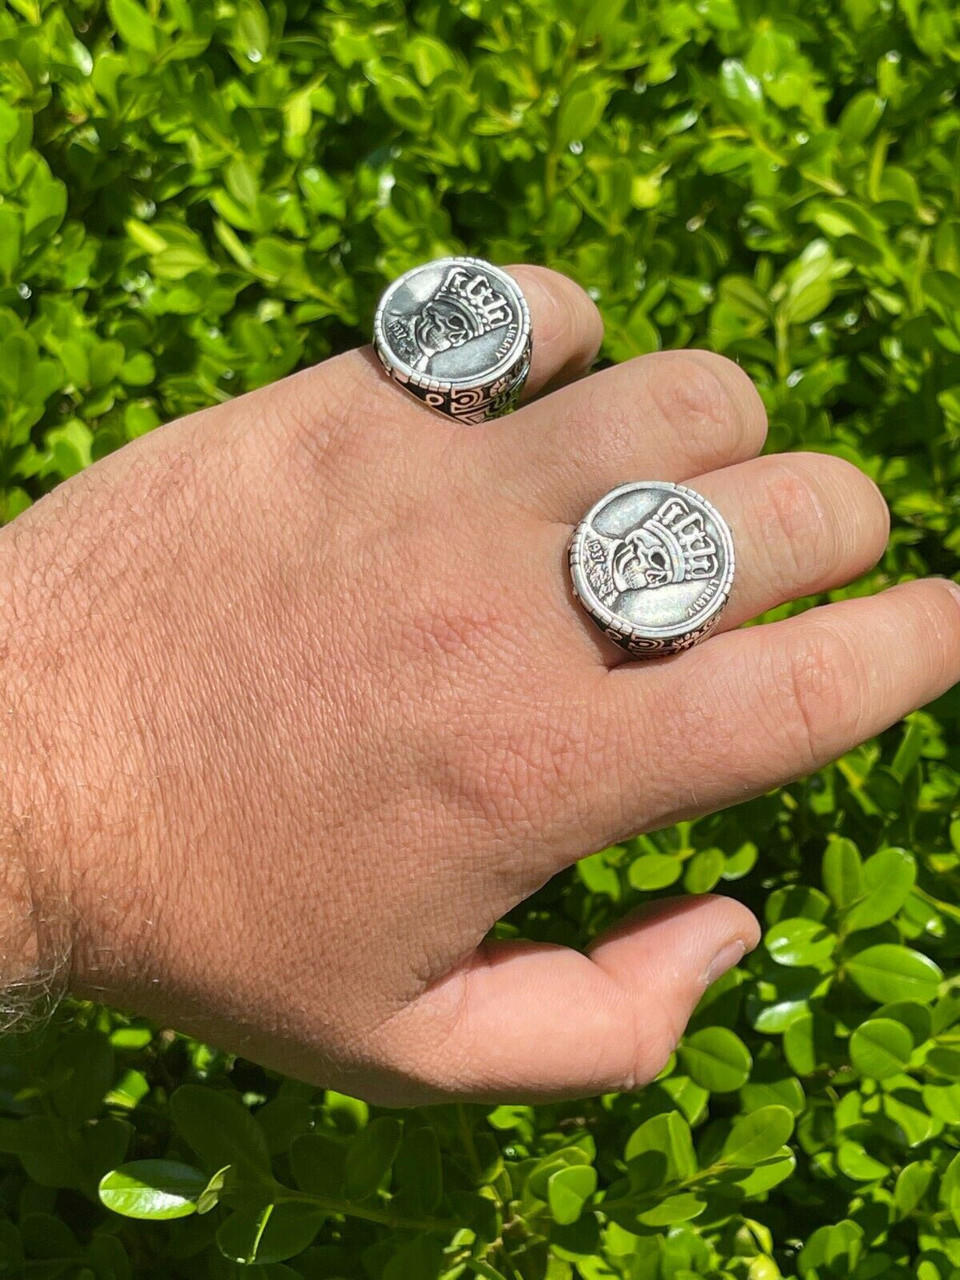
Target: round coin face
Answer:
pixel 456 322
pixel 652 563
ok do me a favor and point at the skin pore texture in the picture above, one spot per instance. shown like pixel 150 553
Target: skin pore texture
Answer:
pixel 297 704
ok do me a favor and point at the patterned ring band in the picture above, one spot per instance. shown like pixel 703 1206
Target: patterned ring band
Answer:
pixel 456 333
pixel 652 564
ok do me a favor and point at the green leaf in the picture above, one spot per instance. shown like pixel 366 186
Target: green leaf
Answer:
pixel 268 1233
pixel 837 1247
pixel 241 181
pixel 942 288
pixel 808 1043
pixel 856 1162
pixel 716 1058
pixel 418 1172
pixel 84 1059
pixel 741 294
pixel 417 1259
pixel 681 1207
pixel 793 901
pixel 283 1120
pixel 371 1155
pixel 252 30
pixel 689 1098
pixel 569 1190
pixel 742 91
pixel 45 203
pixel 219 1128
pixel 880 1048
pixel 775 1089
pixel 704 870
pixel 915 1017
pixel 10 236
pixel 209 1197
pixel 769 1173
pixel 910 749
pixel 654 871
pixel 544 1169
pixel 943 1101
pixel 580 113
pixel 888 878
pixel 599 876
pixel 861 116
pixel 912 1183
pixel 945 1061
pixel 48 1149
pixel 887 972
pixel 842 872
pixel 807 303
pixel 660 1151
pixel 156 1189
pixel 318 1161
pixel 800 942
pixel 430 58
pixel 908 1110
pixel 45 1236
pixel 18 359
pixel 757 1136
pixel 403 101
pixel 134 24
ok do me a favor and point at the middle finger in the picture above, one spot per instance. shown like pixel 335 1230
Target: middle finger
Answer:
pixel 666 416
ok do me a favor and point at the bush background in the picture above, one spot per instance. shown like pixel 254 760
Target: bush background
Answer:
pixel 197 198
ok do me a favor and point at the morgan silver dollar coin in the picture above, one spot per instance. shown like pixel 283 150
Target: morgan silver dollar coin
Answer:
pixel 652 564
pixel 456 333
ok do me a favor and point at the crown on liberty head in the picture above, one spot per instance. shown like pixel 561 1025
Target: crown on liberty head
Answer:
pixel 669 546
pixel 679 531
pixel 482 307
pixel 468 296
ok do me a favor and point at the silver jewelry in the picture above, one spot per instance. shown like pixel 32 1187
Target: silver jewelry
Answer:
pixel 456 333
pixel 652 564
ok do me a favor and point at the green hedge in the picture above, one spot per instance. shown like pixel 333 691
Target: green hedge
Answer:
pixel 196 198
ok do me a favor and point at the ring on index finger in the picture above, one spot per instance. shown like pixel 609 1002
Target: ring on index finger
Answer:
pixel 456 333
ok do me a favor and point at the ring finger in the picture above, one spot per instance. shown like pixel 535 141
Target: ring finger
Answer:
pixel 802 523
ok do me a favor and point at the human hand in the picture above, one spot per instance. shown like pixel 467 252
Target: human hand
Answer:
pixel 301 704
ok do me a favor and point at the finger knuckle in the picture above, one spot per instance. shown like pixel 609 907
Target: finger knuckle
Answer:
pixel 580 323
pixel 329 408
pixel 694 392
pixel 821 704
pixel 936 625
pixel 796 525
pixel 855 492
pixel 654 1025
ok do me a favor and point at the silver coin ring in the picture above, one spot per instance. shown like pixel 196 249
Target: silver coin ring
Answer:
pixel 456 333
pixel 652 564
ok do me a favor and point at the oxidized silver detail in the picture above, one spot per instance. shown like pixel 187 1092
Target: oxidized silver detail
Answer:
pixel 652 563
pixel 456 333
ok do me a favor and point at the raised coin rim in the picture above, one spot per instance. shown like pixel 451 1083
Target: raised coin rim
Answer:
pixel 604 615
pixel 480 379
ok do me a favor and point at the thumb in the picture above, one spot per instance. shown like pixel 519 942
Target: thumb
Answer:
pixel 524 1021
